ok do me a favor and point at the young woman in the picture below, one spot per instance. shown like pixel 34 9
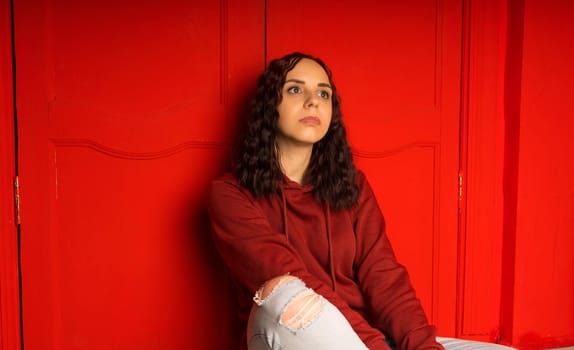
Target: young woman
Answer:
pixel 300 229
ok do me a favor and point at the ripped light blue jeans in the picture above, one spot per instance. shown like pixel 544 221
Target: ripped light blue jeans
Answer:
pixel 315 324
pixel 319 325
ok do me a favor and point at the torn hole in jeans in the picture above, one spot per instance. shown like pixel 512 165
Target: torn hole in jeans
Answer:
pixel 302 310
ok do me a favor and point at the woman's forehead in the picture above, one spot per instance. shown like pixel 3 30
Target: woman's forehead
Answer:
pixel 308 69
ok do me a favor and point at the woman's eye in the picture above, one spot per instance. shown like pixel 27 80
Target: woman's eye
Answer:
pixel 324 94
pixel 294 90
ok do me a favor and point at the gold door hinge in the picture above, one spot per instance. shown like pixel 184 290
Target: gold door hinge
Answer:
pixel 17 199
pixel 460 182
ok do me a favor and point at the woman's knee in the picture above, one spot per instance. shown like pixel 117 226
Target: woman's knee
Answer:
pixel 271 285
pixel 291 315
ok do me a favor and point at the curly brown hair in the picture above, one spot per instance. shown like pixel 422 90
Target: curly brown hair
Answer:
pixel 331 169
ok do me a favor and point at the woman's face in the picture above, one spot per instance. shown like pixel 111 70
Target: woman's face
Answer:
pixel 306 107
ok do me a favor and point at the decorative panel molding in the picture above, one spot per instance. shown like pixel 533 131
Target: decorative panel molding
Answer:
pixel 130 244
pixel 118 153
pixel 141 81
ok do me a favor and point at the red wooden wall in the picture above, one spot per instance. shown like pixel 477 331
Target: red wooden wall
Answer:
pixel 514 249
pixel 543 290
pixel 517 232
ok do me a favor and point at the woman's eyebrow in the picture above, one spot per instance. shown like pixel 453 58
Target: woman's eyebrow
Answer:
pixel 327 85
pixel 295 81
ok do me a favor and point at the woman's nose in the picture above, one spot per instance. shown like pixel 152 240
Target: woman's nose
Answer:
pixel 311 100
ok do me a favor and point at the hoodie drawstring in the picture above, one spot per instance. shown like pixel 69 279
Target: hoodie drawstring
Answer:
pixel 329 241
pixel 284 208
pixel 329 235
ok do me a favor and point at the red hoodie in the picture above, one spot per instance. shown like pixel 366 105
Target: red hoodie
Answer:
pixel 345 256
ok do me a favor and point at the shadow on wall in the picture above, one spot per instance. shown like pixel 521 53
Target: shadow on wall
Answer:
pixel 212 312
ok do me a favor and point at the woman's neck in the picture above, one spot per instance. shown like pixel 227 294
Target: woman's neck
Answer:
pixel 294 162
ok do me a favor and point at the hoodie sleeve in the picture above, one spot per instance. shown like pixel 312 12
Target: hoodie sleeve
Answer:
pixel 255 253
pixel 384 282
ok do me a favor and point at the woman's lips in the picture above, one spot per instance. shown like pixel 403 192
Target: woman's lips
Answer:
pixel 310 120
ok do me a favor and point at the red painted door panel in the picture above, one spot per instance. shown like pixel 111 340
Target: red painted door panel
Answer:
pixel 397 68
pixel 9 289
pixel 123 111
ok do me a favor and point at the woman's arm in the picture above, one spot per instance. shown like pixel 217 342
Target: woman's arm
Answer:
pixel 385 283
